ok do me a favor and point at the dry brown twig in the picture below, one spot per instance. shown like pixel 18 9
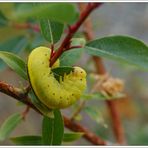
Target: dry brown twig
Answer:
pixel 109 86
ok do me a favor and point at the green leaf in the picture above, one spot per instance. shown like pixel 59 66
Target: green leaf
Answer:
pixel 47 130
pixel 9 125
pixel 51 30
pixel 69 58
pixel 39 105
pixel 60 12
pixel 63 70
pixel 27 140
pixel 2 66
pixel 3 19
pixel 120 48
pixel 15 63
pixel 94 114
pixel 15 44
pixel 102 96
pixel 58 128
pixel 98 96
pixel 9 33
pixel 37 41
pixel 53 129
pixel 60 71
pixel 78 42
pixel 70 137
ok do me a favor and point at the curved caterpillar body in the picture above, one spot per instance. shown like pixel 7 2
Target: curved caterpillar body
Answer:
pixel 52 93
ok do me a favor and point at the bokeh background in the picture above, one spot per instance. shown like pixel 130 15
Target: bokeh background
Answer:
pixel 112 18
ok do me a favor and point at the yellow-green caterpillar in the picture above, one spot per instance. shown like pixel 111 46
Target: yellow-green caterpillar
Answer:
pixel 52 93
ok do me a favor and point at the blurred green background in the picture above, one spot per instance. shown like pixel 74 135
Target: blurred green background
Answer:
pixel 112 18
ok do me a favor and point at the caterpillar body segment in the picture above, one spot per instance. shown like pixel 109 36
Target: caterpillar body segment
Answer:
pixel 54 94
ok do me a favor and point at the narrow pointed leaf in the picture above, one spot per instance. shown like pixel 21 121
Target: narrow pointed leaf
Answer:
pixel 27 140
pixel 9 125
pixel 47 130
pixel 40 106
pixel 121 48
pixel 15 63
pixel 51 30
pixel 3 20
pixel 69 58
pixel 94 114
pixel 58 128
pixel 60 71
pixel 15 44
pixel 60 12
pixel 53 129
pixel 70 137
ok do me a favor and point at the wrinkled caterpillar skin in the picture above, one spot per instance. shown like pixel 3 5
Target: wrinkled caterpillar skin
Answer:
pixel 52 93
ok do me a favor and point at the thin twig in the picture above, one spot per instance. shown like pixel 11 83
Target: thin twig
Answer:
pixel 25 112
pixel 112 107
pixel 72 30
pixel 87 134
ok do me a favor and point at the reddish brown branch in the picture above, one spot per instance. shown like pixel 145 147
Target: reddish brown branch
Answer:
pixel 18 95
pixel 72 29
pixel 26 26
pixel 14 92
pixel 117 125
pixel 112 107
pixel 87 134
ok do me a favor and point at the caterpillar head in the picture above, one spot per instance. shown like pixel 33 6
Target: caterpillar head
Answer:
pixel 79 72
